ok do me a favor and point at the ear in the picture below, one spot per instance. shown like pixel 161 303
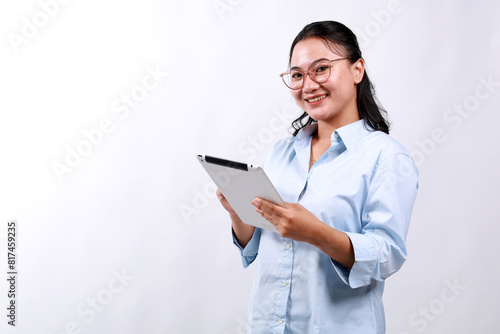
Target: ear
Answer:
pixel 358 70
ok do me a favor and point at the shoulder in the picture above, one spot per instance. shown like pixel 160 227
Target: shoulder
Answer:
pixel 387 153
pixel 282 148
pixel 382 144
pixel 284 143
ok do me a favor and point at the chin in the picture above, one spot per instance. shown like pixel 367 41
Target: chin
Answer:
pixel 319 116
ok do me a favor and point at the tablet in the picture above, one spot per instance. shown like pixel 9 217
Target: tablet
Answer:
pixel 240 183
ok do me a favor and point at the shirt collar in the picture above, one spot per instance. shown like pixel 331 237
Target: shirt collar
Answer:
pixel 307 131
pixel 350 134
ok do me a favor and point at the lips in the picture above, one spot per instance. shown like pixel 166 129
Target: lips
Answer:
pixel 316 98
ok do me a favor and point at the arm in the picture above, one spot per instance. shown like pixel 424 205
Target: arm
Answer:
pixel 245 237
pixel 297 223
pixel 378 249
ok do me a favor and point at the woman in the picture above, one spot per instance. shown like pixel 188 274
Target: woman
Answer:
pixel 349 190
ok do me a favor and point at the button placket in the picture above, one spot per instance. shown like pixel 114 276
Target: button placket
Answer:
pixel 284 282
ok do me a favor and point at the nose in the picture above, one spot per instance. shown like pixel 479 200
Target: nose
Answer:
pixel 309 84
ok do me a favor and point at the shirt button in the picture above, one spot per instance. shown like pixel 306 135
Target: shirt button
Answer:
pixel 287 246
pixel 280 321
pixel 285 283
pixel 336 135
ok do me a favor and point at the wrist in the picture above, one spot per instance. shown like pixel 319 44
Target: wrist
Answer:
pixel 337 245
pixel 234 218
pixel 320 235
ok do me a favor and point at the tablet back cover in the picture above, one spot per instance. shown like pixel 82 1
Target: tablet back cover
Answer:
pixel 240 184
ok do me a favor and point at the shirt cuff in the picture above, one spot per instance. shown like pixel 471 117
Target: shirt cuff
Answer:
pixel 249 253
pixel 364 265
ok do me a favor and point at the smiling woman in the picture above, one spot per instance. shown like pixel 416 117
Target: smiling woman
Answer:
pixel 349 191
pixel 340 42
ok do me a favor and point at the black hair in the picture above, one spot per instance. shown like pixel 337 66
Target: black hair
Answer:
pixel 337 36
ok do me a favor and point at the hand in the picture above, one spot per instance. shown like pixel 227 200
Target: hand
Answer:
pixel 242 231
pixel 293 221
pixel 297 223
pixel 225 203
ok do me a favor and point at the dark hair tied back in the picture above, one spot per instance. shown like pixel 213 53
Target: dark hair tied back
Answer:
pixel 337 36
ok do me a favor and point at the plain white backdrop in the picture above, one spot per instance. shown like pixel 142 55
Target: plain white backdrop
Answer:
pixel 105 104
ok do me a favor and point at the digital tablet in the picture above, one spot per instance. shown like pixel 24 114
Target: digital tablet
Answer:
pixel 240 183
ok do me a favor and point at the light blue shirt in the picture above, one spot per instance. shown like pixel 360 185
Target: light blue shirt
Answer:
pixel 365 185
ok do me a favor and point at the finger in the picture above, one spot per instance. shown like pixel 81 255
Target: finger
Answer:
pixel 270 217
pixel 257 202
pixel 269 207
pixel 266 215
pixel 219 194
pixel 273 219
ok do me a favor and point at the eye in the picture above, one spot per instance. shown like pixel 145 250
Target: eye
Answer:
pixel 321 68
pixel 296 75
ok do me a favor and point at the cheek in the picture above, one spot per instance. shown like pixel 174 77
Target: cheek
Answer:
pixel 348 79
pixel 341 84
pixel 297 95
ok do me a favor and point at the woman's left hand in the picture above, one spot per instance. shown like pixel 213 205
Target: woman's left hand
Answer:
pixel 293 221
pixel 297 223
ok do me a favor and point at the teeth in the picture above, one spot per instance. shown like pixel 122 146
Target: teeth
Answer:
pixel 317 98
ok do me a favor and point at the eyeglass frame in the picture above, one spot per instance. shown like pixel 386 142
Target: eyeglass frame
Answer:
pixel 304 73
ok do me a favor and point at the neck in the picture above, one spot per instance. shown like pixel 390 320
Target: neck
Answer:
pixel 325 128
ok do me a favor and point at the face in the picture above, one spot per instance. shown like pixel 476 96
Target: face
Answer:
pixel 333 101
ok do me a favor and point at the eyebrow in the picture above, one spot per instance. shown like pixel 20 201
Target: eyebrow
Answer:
pixel 314 62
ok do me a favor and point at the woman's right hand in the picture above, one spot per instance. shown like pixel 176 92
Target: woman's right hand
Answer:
pixel 225 203
pixel 242 231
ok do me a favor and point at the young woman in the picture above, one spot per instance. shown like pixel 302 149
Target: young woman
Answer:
pixel 349 190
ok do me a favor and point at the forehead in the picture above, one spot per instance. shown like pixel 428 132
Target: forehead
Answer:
pixel 311 49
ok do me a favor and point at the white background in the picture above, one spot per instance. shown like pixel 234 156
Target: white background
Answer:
pixel 137 203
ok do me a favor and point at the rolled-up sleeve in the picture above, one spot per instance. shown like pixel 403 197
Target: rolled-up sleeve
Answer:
pixel 380 246
pixel 249 253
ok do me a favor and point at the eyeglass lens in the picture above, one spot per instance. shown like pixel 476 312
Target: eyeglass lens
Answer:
pixel 319 72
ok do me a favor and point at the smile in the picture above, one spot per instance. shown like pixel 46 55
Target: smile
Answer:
pixel 317 98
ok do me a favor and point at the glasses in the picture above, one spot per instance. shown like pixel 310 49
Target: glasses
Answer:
pixel 318 72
